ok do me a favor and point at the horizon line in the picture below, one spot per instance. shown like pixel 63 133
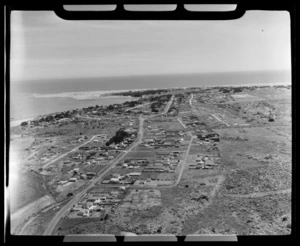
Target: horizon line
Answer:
pixel 158 74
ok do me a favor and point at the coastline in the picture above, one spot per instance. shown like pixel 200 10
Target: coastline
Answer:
pixel 82 95
pixel 94 95
pixel 16 122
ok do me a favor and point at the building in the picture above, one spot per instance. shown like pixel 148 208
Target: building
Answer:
pixel 134 174
pixel 115 180
pixel 90 175
pixel 72 179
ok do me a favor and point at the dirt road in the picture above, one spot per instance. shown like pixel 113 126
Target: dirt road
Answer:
pixel 183 164
pixel 98 118
pixel 217 118
pixel 104 171
pixel 190 101
pixel 168 105
pixel 184 126
pixel 63 155
pixel 142 105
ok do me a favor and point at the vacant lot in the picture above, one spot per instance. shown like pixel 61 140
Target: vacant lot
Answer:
pixel 260 144
pixel 141 154
pixel 268 215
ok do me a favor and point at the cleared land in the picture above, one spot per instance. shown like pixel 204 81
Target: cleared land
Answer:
pixel 195 161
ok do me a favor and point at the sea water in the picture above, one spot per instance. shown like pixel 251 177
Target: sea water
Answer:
pixel 32 98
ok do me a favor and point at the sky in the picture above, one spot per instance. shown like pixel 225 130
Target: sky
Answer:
pixel 43 46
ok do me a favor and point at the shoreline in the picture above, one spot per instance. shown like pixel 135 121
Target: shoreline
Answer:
pixel 94 95
pixel 86 95
pixel 17 122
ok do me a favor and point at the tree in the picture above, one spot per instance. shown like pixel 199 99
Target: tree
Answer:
pixel 119 137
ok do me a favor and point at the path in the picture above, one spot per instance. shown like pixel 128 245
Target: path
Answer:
pixel 217 118
pixel 184 126
pixel 221 179
pixel 77 197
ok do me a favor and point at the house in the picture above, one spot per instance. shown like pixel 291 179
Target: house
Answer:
pixel 84 148
pixel 114 193
pixel 134 174
pixel 86 213
pixel 122 188
pixel 90 175
pixel 116 175
pixel 92 208
pixel 72 179
pixel 82 176
pixel 114 180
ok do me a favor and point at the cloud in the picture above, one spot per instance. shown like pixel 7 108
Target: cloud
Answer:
pixel 45 45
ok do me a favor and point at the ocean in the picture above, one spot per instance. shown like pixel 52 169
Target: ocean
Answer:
pixel 32 98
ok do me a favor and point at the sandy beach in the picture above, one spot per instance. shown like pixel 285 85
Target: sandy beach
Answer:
pixel 81 95
pixel 17 122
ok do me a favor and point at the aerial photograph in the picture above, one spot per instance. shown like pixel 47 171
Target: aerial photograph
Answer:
pixel 150 127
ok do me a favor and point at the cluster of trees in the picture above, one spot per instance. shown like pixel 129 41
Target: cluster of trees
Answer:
pixel 140 93
pixel 179 98
pixel 232 89
pixel 24 123
pixel 159 101
pixel 131 104
pixel 90 155
pixel 113 107
pixel 58 116
pixel 118 138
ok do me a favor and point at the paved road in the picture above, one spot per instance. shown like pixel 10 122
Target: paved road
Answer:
pixel 56 159
pixel 78 196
